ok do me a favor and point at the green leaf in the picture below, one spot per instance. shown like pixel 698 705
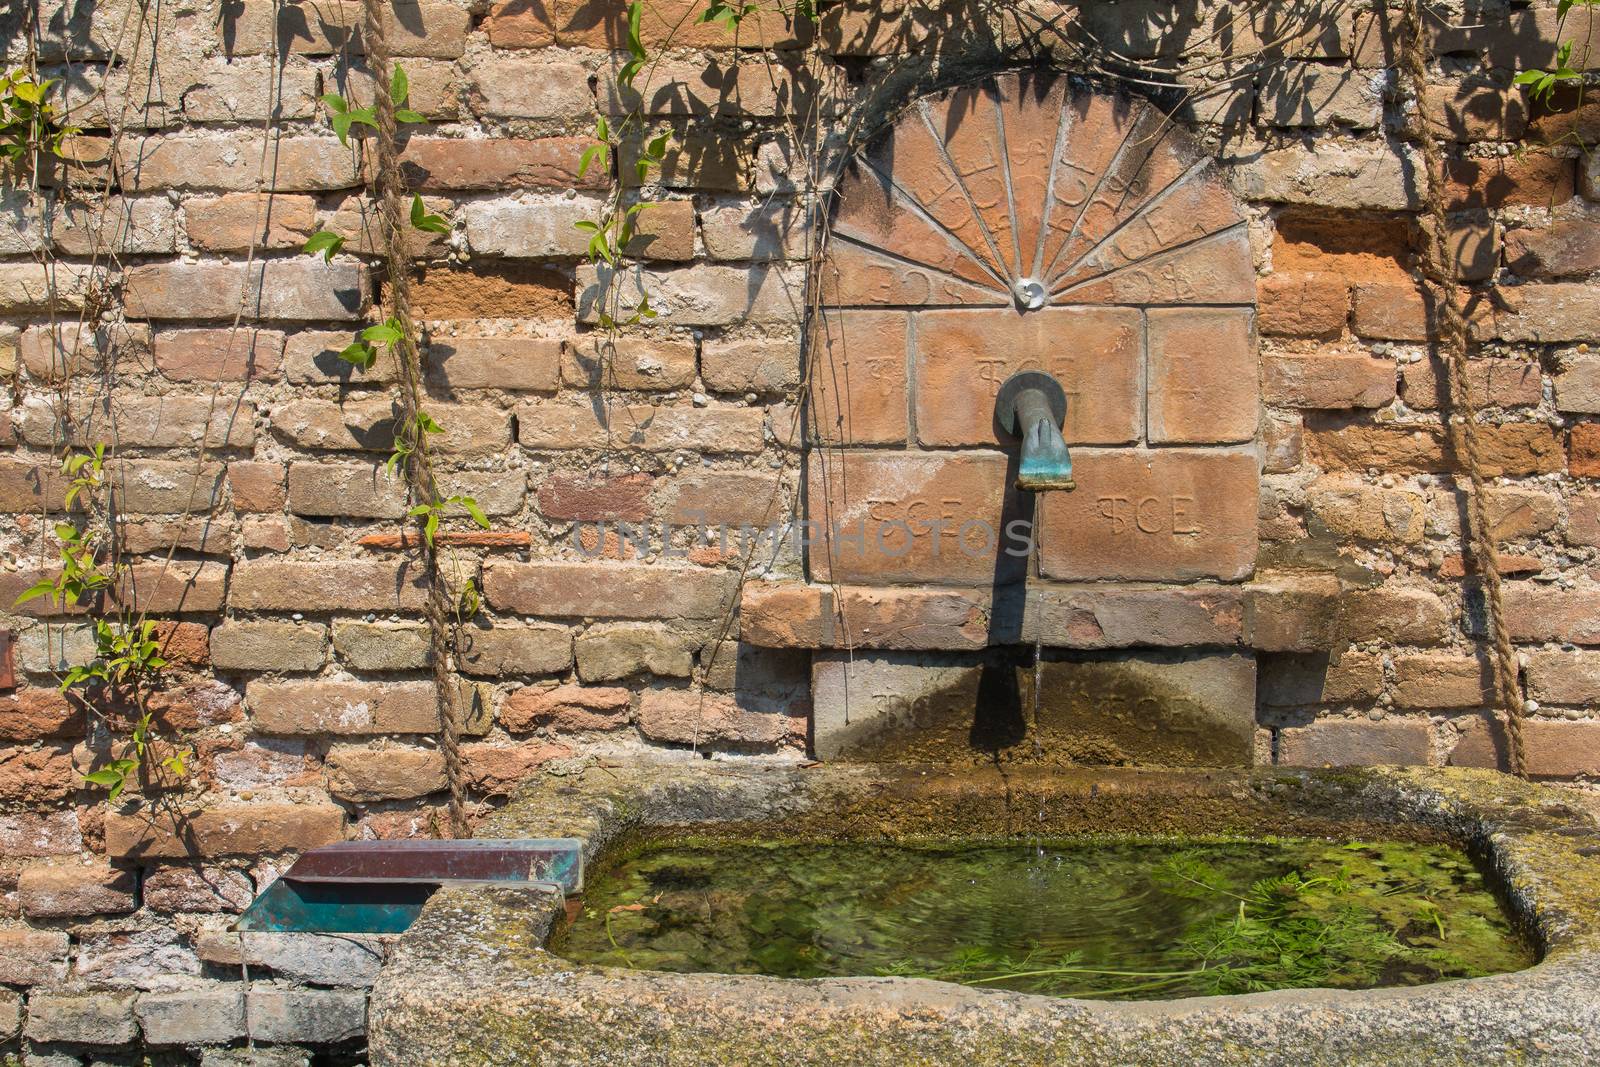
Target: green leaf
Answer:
pixel 105 776
pixel 37 589
pixel 475 511
pixel 327 243
pixel 586 226
pixel 421 220
pixel 1528 77
pixel 431 526
pixel 384 333
pixel 359 353
pixel 405 114
pixel 335 103
pixel 341 126
pixel 656 148
pixel 426 424
pixel 419 510
pixel 399 86
pixel 594 152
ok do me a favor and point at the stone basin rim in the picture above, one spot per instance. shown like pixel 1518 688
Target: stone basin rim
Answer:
pixel 477 952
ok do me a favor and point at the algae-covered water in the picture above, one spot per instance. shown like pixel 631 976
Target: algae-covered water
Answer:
pixel 1132 919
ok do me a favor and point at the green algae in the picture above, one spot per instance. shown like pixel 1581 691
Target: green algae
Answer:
pixel 1128 918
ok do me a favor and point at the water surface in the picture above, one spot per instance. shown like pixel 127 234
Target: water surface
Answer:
pixel 1134 919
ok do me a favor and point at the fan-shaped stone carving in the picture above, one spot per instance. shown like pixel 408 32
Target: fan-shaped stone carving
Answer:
pixel 1025 191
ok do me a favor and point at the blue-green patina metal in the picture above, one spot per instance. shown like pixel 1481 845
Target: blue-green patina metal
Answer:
pixel 379 887
pixel 1032 405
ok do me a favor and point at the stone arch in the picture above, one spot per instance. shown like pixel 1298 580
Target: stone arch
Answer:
pixel 1030 222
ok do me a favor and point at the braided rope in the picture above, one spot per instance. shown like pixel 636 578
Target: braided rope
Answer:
pixel 389 191
pixel 1462 423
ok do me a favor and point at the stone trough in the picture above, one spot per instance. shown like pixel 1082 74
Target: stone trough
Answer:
pixel 473 983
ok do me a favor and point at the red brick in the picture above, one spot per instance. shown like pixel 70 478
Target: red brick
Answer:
pixel 34 714
pixel 1202 377
pixel 439 163
pixel 1570 247
pixel 523 363
pixel 225 829
pixel 1304 304
pixel 222 355
pixel 565 708
pixel 335 585
pixel 501 290
pixel 28 486
pixel 184 644
pixel 1534 179
pixel 1217 270
pixel 336 27
pixel 568 497
pixel 1564 677
pixel 1292 613
pixel 858 387
pixel 1537 612
pixel 1442 680
pixel 685 717
pixel 1551 749
pixel 1583 518
pixel 634 363
pixel 363 775
pixel 1355 743
pixel 1291 681
pixel 234 222
pixel 1100 369
pixel 791 615
pixel 607 591
pixel 256 486
pixel 1161 515
pixel 1332 380
pixel 1493 382
pixel 1400 614
pixel 65 891
pixel 38 776
pixel 1583 450
pixel 296 289
pixel 1394 311
pixel 1510 449
pixel 317 706
pixel 497 769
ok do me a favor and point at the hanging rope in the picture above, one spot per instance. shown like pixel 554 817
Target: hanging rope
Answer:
pixel 1462 415
pixel 389 192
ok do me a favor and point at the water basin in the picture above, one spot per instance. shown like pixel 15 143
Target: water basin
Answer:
pixel 1138 918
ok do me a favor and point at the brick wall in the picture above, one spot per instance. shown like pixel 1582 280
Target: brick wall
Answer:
pixel 292 613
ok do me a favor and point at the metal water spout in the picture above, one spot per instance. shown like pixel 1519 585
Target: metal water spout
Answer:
pixel 1032 405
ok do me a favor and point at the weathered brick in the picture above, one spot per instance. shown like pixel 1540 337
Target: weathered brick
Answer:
pixel 101 1018
pixel 196 889
pixel 1404 615
pixel 145 422
pixel 28 289
pixel 1327 380
pixel 1564 677
pixel 610 651
pixel 1513 513
pixel 531 227
pixel 1354 509
pixel 492 290
pixel 297 289
pixel 1536 612
pixel 1558 311
pixel 1300 679
pixel 228 161
pixel 311 357
pixel 1509 449
pixel 565 708
pixel 636 363
pixel 256 486
pixel 721 498
pixel 51 833
pixel 237 88
pixel 696 296
pixel 382 646
pixel 1550 749
pixel 335 585
pixel 345 489
pixel 192 1016
pixel 411 28
pixel 858 393
pixel 33 714
pixel 268 646
pixel 220 355
pixel 317 706
pixel 37 775
pixel 1359 177
pixel 65 891
pixel 536 648
pixel 1568 247
pixel 762 231
pixel 1308 94
pixel 567 497
pixel 607 591
pixel 449 164
pixel 653 429
pixel 236 221
pixel 33 957
pixel 535 86
pixel 1535 178
pixel 368 426
pixel 363 775
pixel 146 226
pixel 1355 743
pixel 306 1016
pixel 176 585
pixel 522 363
pixel 1442 680
pixel 955 346
pixel 1583 450
pixel 496 769
pixel 756 365
pixel 1492 382
pixel 1303 304
pixel 684 716
pixel 232 828
pixel 166 487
